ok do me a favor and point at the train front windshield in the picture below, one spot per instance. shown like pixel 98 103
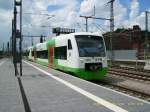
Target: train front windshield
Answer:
pixel 90 46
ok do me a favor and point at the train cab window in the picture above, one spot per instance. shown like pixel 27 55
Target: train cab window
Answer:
pixel 90 46
pixel 60 52
pixel 69 45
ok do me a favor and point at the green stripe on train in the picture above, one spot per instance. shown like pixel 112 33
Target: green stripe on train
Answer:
pixel 41 61
pixel 81 73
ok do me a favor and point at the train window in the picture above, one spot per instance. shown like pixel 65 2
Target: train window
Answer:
pixel 60 52
pixel 32 53
pixel 26 53
pixel 90 46
pixel 42 54
pixel 69 44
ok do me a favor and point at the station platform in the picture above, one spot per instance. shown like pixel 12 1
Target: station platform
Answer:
pixel 42 89
pixel 10 97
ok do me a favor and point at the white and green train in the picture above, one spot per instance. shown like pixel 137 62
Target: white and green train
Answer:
pixel 83 54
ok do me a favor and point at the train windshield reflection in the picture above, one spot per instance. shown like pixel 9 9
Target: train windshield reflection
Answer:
pixel 90 46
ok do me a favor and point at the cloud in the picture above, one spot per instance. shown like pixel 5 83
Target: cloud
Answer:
pixel 5 20
pixel 135 17
pixel 134 9
pixel 5 26
pixel 6 4
pixel 67 14
pixel 103 10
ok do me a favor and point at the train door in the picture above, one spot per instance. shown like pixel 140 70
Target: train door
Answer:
pixel 34 54
pixel 70 53
pixel 51 55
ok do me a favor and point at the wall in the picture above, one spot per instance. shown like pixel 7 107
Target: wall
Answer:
pixel 123 54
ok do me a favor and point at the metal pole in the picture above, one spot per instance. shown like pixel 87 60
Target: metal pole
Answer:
pixel 146 32
pixel 86 24
pixel 112 15
pixel 3 49
pixel 32 41
pixel 87 17
pixel 111 28
pixel 12 39
pixel 15 25
pixel 20 44
pixel 146 26
pixel 146 23
pixel 8 47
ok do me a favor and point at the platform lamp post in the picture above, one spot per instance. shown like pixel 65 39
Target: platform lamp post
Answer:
pixel 17 34
pixel 14 37
pixel 20 43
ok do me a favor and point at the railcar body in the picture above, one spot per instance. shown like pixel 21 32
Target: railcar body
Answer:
pixel 83 54
pixel 31 53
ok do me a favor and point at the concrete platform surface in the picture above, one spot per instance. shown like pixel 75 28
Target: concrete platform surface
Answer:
pixel 48 90
pixel 10 97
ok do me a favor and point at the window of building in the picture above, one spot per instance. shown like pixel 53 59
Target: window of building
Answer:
pixel 60 52
pixel 69 44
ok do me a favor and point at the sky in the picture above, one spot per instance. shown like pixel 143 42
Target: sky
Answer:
pixel 127 13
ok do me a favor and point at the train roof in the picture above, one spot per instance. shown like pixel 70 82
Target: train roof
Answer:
pixel 28 48
pixel 87 33
pixel 41 46
pixel 78 33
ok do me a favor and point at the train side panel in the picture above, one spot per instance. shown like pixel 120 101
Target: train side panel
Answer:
pixel 72 62
pixel 41 54
pixel 63 54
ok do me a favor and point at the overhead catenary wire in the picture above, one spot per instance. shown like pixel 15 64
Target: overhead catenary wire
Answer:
pixel 105 30
pixel 42 14
pixel 80 26
pixel 98 28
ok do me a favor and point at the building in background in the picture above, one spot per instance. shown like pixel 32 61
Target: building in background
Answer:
pixel 127 40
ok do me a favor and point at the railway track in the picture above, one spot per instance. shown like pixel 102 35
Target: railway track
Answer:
pixel 132 68
pixel 133 92
pixel 130 74
pixel 126 90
